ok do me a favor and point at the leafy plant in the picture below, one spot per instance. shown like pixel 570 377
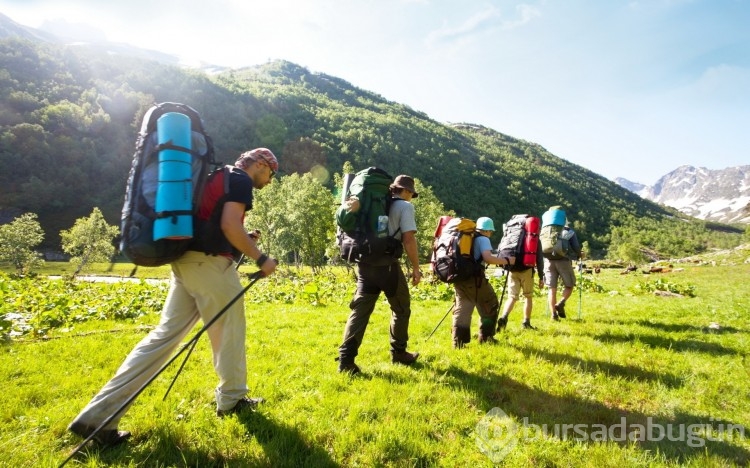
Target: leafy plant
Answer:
pixel 662 284
pixel 37 306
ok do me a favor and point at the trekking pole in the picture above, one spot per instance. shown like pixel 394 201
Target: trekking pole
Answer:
pixel 502 295
pixel 441 320
pixel 255 235
pixel 193 341
pixel 254 278
pixel 580 288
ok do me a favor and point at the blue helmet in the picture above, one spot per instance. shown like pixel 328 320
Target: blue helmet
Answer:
pixel 485 224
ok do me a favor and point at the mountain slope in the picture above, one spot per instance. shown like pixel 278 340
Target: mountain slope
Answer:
pixel 71 115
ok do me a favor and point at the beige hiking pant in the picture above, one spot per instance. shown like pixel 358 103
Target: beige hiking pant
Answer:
pixel 201 286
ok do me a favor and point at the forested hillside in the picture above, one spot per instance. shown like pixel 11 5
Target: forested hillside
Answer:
pixel 69 116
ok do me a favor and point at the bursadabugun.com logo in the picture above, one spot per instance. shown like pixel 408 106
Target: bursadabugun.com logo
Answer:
pixel 497 434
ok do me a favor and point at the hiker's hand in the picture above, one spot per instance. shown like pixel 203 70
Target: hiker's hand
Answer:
pixel 352 204
pixel 511 260
pixel 416 277
pixel 269 266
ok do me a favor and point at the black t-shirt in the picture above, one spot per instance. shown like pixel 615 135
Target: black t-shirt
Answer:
pixel 208 236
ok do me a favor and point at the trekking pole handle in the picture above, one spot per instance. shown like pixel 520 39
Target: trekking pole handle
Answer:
pixel 261 274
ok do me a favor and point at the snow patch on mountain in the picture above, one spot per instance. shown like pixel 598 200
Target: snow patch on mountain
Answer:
pixel 715 195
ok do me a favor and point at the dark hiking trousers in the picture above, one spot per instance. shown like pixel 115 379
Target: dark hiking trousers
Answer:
pixel 476 292
pixel 371 281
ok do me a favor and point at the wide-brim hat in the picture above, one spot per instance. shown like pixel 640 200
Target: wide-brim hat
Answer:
pixel 405 182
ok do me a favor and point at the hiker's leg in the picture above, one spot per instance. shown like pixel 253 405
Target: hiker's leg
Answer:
pixel 488 307
pixel 551 276
pixel 361 305
pixel 178 316
pixel 527 289
pixel 508 308
pixel 214 282
pixel 568 277
pixel 400 301
pixel 465 294
pixel 514 289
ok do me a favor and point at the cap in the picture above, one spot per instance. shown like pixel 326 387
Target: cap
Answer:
pixel 405 182
pixel 485 224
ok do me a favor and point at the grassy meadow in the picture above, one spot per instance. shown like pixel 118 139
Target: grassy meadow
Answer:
pixel 639 379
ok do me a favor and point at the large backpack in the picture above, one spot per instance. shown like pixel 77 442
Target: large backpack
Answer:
pixel 208 236
pixel 520 240
pixel 169 170
pixel 554 236
pixel 556 241
pixel 363 236
pixel 453 251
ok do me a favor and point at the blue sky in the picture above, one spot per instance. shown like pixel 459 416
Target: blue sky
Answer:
pixel 628 89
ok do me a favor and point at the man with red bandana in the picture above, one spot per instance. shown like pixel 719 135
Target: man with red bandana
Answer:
pixel 202 282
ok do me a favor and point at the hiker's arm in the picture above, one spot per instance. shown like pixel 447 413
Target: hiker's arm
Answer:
pixel 576 246
pixel 540 264
pixel 352 204
pixel 494 260
pixel 234 230
pixel 409 239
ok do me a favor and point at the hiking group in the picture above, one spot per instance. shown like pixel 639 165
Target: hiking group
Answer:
pixel 462 252
pixel 203 238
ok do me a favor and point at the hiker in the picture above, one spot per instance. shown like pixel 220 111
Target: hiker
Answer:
pixel 560 246
pixel 477 291
pixel 202 282
pixel 389 279
pixel 521 281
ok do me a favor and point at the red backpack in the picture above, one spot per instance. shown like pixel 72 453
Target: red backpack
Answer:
pixel 521 240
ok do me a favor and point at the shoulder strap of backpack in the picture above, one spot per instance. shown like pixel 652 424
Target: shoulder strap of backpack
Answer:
pixel 227 173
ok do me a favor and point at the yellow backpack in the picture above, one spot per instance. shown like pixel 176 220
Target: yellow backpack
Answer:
pixel 452 251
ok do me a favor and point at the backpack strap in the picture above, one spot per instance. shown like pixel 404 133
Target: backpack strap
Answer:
pixel 227 172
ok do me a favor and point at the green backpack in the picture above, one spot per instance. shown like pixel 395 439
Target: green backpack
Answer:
pixel 555 241
pixel 363 236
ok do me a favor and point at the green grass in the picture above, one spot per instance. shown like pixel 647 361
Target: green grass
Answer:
pixel 631 355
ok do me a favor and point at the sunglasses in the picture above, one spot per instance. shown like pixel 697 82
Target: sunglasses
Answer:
pixel 273 173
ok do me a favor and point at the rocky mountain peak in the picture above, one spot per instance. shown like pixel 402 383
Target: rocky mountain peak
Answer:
pixel 721 195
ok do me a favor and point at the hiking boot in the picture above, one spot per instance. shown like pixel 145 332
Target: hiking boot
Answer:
pixel 501 323
pixel 555 316
pixel 527 326
pixel 461 337
pixel 242 405
pixel 560 309
pixel 403 357
pixel 105 437
pixel 349 368
pixel 486 340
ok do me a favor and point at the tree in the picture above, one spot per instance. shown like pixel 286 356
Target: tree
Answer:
pixel 295 219
pixel 271 131
pixel 586 250
pixel 631 253
pixel 428 211
pixel 302 156
pixel 89 240
pixel 17 240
